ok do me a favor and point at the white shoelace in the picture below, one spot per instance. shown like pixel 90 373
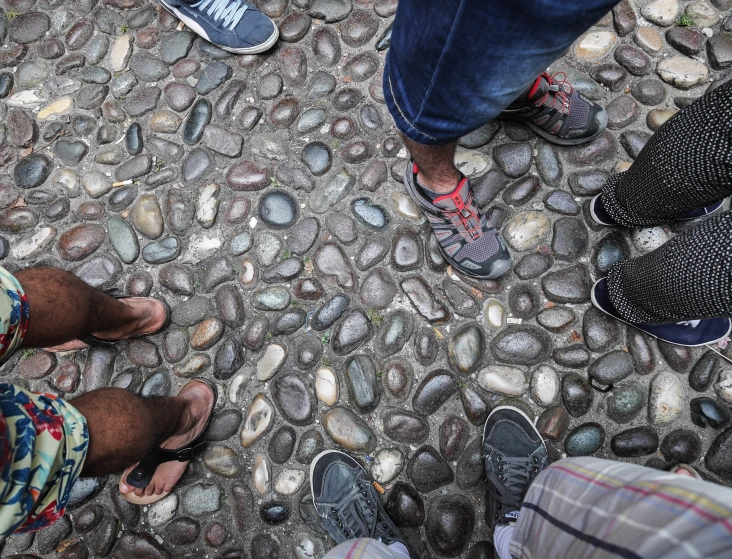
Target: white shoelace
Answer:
pixel 230 11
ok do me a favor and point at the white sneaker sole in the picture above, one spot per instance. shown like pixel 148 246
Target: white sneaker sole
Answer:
pixel 598 307
pixel 594 215
pixel 196 28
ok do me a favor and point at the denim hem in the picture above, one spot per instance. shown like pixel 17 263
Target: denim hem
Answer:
pixel 403 124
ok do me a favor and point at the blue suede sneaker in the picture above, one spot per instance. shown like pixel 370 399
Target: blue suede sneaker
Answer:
pixel 600 215
pixel 691 333
pixel 232 25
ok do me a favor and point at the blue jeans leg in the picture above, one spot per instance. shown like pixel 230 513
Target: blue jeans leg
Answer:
pixel 454 65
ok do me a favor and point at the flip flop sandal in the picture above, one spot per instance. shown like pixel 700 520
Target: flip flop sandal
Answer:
pixel 142 474
pixel 686 468
pixel 92 341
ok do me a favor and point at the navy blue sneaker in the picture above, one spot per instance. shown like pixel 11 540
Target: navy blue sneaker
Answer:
pixel 600 215
pixel 233 25
pixel 701 212
pixel 691 333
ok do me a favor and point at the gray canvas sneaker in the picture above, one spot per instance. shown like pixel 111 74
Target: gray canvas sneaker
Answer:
pixel 514 455
pixel 348 505
pixel 466 237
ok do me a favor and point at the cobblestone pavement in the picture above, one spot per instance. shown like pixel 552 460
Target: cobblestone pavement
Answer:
pixel 262 199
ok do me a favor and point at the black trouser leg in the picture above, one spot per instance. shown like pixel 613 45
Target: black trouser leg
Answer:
pixel 687 164
pixel 688 278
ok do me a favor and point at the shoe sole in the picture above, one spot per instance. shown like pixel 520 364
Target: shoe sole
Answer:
pixel 196 28
pixel 506 267
pixel 594 215
pixel 556 140
pixel 315 461
pixel 597 306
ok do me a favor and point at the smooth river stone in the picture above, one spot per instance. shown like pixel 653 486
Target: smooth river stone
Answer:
pixel 326 386
pixel 388 463
pixel 626 401
pixel 450 523
pixel 576 394
pixel 258 421
pixel 665 399
pixel 584 440
pixel 506 381
pixel 363 386
pixel 682 446
pixel 612 367
pixel 465 348
pixel 522 345
pixel 428 470
pixel 123 239
pixel 352 331
pixel 544 385
pixel 634 442
pixel 293 399
pixel 405 426
pixel 348 431
pixel 434 390
pixel 553 423
pixel 424 301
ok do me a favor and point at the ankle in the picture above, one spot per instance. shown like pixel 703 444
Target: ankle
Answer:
pixel 440 184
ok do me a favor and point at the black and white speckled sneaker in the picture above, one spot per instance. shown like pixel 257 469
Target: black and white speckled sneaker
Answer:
pixel 467 239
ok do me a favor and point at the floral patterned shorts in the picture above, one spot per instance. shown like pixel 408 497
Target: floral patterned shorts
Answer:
pixel 14 312
pixel 43 440
pixel 43 444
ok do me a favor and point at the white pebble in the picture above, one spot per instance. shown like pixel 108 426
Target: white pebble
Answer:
pixel 289 482
pixel 387 465
pixel 261 474
pixel 723 387
pixel 273 358
pixel 326 386
pixel 163 511
pixel 503 380
pixel 544 385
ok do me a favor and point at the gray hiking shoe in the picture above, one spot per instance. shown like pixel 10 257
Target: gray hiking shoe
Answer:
pixel 556 112
pixel 348 505
pixel 514 455
pixel 467 239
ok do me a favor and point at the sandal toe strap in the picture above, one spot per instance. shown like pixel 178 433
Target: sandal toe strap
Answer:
pixel 142 474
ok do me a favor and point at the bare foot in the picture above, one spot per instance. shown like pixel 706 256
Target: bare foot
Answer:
pixel 199 404
pixel 150 316
pixel 681 472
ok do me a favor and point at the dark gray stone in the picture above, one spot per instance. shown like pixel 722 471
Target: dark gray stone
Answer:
pixel 522 345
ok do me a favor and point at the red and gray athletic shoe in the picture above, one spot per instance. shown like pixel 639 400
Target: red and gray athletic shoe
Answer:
pixel 557 113
pixel 468 240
